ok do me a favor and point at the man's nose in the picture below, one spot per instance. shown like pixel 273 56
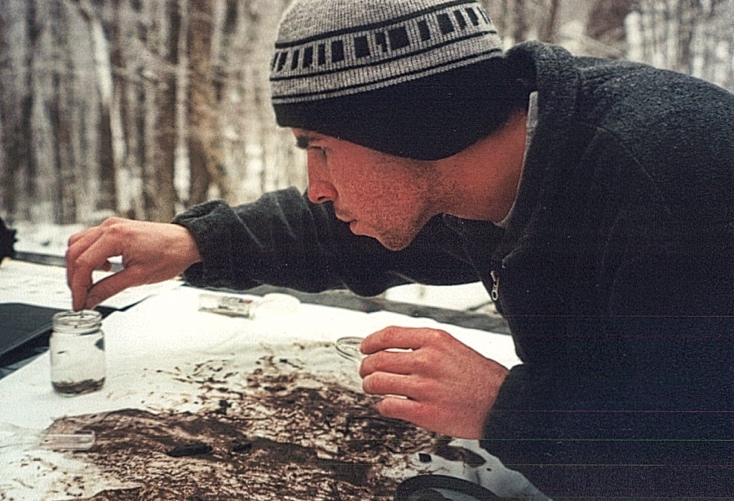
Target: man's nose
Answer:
pixel 320 189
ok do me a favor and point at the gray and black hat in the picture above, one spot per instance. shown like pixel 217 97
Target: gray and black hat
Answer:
pixel 408 77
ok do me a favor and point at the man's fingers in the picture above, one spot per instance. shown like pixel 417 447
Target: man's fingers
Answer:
pixel 106 266
pixel 405 409
pixel 78 243
pixel 79 298
pixel 389 361
pixel 385 383
pixel 430 417
pixel 80 290
pixel 89 252
pixel 109 286
pixel 405 338
pixel 151 252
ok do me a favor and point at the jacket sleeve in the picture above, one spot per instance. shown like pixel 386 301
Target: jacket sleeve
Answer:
pixel 283 239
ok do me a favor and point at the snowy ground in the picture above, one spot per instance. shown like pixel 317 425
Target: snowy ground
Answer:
pixel 52 240
pixel 44 238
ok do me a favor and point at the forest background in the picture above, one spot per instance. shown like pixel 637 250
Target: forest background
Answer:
pixel 142 108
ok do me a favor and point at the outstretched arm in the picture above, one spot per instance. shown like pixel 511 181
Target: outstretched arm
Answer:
pixel 281 239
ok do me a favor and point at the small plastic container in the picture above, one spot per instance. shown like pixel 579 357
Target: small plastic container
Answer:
pixel 77 352
pixel 348 347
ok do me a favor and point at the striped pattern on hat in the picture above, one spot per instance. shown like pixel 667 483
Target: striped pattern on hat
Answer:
pixel 331 48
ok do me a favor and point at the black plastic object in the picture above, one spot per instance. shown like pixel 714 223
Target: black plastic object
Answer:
pixel 7 241
pixel 440 488
pixel 21 323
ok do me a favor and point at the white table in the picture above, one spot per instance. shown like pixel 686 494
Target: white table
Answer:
pixel 164 355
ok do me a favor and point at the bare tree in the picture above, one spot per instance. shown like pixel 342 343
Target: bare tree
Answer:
pixel 144 107
pixel 15 103
pixel 690 36
pixel 135 107
pixel 55 144
pixel 158 171
pixel 606 25
pixel 204 150
pixel 549 29
pixel 521 20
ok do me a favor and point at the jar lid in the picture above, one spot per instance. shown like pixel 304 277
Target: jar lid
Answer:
pixel 77 322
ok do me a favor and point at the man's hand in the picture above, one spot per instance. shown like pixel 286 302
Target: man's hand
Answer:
pixel 151 252
pixel 450 388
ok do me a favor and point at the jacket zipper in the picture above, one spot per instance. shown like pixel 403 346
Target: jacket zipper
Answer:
pixel 495 292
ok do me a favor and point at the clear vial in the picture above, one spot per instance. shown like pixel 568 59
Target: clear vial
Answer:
pixel 77 352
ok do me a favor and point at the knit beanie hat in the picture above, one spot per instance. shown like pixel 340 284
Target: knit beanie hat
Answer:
pixel 412 78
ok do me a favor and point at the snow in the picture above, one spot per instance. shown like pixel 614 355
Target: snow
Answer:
pixel 48 239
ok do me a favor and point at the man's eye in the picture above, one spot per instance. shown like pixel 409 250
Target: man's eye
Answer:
pixel 316 153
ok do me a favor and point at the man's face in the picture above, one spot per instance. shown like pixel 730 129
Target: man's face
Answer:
pixel 379 195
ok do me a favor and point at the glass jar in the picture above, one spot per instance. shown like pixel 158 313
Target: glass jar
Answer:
pixel 77 352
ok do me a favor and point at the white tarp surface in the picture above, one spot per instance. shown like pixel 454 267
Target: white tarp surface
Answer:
pixel 157 354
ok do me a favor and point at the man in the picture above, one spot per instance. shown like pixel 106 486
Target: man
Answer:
pixel 594 199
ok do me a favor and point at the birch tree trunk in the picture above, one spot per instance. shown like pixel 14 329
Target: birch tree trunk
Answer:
pixel 55 143
pixel 161 197
pixel 15 104
pixel 139 108
pixel 205 156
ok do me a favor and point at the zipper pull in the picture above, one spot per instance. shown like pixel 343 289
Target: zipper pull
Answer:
pixel 495 292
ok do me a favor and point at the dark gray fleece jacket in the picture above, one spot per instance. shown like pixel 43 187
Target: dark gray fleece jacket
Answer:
pixel 615 273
